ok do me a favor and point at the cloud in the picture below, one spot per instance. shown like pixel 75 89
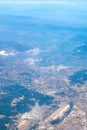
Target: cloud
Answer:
pixel 32 61
pixel 34 51
pixel 36 2
pixel 4 53
pixel 61 67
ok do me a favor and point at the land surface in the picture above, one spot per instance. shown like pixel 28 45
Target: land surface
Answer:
pixel 43 67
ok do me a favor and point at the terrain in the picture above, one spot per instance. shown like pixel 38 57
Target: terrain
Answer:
pixel 43 68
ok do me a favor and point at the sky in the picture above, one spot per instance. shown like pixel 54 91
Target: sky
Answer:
pixel 72 2
pixel 72 12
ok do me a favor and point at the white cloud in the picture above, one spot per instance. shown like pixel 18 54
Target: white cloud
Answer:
pixel 61 67
pixel 34 51
pixel 32 61
pixel 4 53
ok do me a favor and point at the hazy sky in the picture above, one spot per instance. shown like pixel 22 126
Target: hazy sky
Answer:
pixel 73 12
pixel 42 1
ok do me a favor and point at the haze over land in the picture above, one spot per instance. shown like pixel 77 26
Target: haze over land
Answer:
pixel 43 66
